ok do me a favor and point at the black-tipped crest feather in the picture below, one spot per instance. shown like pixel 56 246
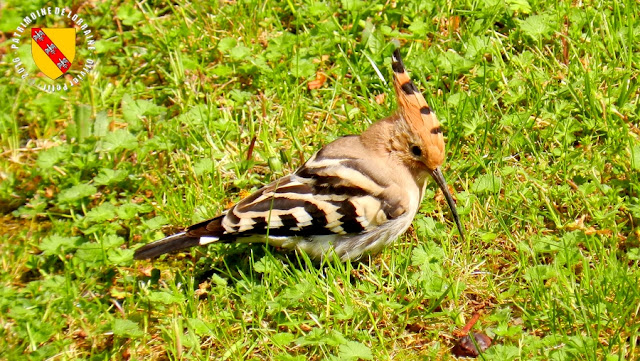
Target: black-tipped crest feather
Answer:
pixel 396 62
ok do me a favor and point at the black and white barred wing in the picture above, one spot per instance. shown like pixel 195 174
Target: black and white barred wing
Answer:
pixel 325 197
pixel 345 203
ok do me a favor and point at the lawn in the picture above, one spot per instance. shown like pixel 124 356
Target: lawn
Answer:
pixel 192 106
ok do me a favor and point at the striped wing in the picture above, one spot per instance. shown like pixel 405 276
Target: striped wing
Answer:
pixel 326 196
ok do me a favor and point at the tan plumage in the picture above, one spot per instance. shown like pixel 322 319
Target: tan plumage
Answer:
pixel 354 196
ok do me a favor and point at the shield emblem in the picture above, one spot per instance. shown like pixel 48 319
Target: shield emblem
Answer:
pixel 53 50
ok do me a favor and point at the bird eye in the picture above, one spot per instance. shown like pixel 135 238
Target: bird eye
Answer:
pixel 416 151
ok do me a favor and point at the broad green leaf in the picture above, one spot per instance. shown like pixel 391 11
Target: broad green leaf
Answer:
pixel 129 14
pixel 418 27
pixel 101 124
pixel 353 350
pixel 426 254
pixel 131 210
pixel 540 273
pixel 477 46
pixel 120 256
pixel 221 70
pixel 218 281
pixel 203 166
pixel 76 193
pixel 239 52
pixel 486 183
pixel 165 297
pixel 226 44
pixel 49 103
pixel 134 110
pixel 200 327
pixel 118 139
pixel 90 253
pixel 502 353
pixel 155 222
pixel 52 156
pixel 105 46
pixel 521 6
pixel 537 26
pixel 303 68
pixel 345 312
pixel 102 213
pixel 18 312
pixel 111 241
pixel 198 114
pixel 452 63
pixel 57 244
pixel 373 38
pixel 239 96
pixel 126 328
pixel 283 338
pixel 319 8
pixel 11 19
pixel 545 244
pixel 265 265
pixel 428 227
pixel 82 122
pixel 352 5
pixel 109 176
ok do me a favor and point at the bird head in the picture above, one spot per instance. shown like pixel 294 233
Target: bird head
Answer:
pixel 422 142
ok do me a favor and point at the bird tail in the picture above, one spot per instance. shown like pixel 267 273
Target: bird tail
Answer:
pixel 197 235
pixel 168 244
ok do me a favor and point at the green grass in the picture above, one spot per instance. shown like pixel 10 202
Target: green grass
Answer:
pixel 540 106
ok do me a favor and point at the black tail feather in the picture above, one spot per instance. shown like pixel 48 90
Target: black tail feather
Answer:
pixel 212 229
pixel 169 244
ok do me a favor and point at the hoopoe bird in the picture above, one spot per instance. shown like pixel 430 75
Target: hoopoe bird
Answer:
pixel 353 197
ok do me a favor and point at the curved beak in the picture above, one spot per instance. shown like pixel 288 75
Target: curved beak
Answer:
pixel 439 178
